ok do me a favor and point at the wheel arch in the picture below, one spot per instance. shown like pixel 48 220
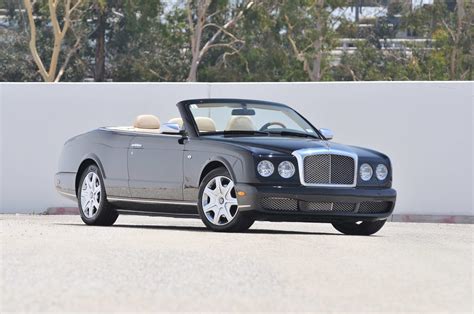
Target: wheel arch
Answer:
pixel 87 161
pixel 214 164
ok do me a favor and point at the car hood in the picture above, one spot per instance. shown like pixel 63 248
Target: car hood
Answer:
pixel 265 145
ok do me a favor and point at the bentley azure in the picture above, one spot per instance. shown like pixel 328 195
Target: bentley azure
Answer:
pixel 228 162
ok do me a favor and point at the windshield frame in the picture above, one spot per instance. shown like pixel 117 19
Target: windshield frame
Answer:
pixel 191 127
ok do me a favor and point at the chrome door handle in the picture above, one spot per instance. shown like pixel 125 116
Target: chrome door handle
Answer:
pixel 136 145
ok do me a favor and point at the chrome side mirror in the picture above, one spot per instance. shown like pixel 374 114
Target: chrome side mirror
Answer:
pixel 170 128
pixel 327 133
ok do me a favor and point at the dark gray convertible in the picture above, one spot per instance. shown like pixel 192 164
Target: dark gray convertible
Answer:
pixel 229 162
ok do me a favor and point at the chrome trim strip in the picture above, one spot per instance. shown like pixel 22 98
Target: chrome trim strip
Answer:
pixel 154 213
pixel 151 201
pixel 300 155
pixel 66 194
pixel 244 206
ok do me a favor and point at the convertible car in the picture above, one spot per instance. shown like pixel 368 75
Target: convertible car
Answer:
pixel 229 162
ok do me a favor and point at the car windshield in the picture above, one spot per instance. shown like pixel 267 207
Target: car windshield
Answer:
pixel 249 119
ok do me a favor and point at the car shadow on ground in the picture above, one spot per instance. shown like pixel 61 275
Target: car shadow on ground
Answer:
pixel 204 229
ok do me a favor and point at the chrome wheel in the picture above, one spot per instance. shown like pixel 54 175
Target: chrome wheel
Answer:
pixel 219 201
pixel 90 195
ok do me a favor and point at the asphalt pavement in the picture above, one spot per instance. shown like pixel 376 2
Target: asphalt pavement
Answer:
pixel 56 263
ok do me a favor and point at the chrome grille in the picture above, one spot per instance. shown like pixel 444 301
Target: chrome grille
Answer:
pixel 337 207
pixel 329 169
pixel 374 207
pixel 276 203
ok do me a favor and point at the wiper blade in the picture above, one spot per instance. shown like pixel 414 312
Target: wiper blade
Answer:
pixel 289 133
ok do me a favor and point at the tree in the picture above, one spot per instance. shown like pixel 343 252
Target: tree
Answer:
pixel 310 33
pixel 59 33
pixel 205 34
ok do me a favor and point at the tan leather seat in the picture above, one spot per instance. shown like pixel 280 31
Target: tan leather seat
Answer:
pixel 147 121
pixel 178 121
pixel 240 123
pixel 205 124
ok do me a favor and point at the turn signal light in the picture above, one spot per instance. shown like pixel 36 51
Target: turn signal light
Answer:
pixel 241 193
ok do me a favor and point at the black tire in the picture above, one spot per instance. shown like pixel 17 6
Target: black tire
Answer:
pixel 364 228
pixel 104 215
pixel 241 221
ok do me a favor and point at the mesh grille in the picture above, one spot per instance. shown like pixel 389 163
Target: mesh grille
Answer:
pixel 273 203
pixel 329 169
pixel 342 169
pixel 317 169
pixel 374 207
pixel 325 206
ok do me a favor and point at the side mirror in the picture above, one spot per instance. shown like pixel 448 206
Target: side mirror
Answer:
pixel 327 133
pixel 170 128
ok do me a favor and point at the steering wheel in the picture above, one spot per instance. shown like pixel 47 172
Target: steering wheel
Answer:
pixel 267 125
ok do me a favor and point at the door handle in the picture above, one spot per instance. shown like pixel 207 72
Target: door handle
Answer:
pixel 136 145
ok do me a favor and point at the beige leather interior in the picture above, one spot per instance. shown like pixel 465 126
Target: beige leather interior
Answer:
pixel 205 124
pixel 178 121
pixel 151 124
pixel 146 121
pixel 240 123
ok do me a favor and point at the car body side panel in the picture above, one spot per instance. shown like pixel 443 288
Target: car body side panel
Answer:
pixel 199 153
pixel 156 167
pixel 107 149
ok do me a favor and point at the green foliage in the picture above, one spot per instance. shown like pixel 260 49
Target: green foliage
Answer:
pixel 149 40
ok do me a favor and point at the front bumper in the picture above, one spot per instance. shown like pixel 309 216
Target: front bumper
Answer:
pixel 301 203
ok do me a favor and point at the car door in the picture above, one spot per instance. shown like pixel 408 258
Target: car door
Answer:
pixel 155 167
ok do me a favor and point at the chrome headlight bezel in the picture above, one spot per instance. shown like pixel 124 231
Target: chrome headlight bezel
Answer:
pixel 265 168
pixel 366 172
pixel 291 169
pixel 381 172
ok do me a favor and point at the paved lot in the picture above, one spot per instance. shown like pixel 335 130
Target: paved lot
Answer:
pixel 55 263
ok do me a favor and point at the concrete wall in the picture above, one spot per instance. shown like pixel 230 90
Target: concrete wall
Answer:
pixel 426 129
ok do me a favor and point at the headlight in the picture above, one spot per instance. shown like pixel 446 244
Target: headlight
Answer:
pixel 286 169
pixel 381 172
pixel 366 172
pixel 265 168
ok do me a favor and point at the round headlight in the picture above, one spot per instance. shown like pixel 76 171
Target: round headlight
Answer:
pixel 381 172
pixel 366 172
pixel 265 168
pixel 286 169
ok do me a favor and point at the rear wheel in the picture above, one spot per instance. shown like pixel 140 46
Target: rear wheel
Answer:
pixel 218 205
pixel 359 228
pixel 93 205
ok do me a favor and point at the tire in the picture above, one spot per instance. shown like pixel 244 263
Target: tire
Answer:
pixel 217 205
pixel 364 228
pixel 92 199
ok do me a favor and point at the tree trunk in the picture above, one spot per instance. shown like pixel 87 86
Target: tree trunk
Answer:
pixel 454 53
pixel 99 71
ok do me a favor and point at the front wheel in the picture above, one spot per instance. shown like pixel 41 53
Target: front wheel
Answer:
pixel 359 228
pixel 218 205
pixel 93 205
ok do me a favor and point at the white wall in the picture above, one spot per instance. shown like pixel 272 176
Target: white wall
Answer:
pixel 425 128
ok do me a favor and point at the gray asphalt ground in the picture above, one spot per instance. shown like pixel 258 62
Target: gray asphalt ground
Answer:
pixel 55 263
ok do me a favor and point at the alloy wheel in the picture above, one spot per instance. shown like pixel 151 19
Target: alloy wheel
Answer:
pixel 219 201
pixel 90 195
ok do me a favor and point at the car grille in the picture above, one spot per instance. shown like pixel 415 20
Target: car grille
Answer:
pixel 289 204
pixel 337 207
pixel 374 207
pixel 329 169
pixel 280 204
